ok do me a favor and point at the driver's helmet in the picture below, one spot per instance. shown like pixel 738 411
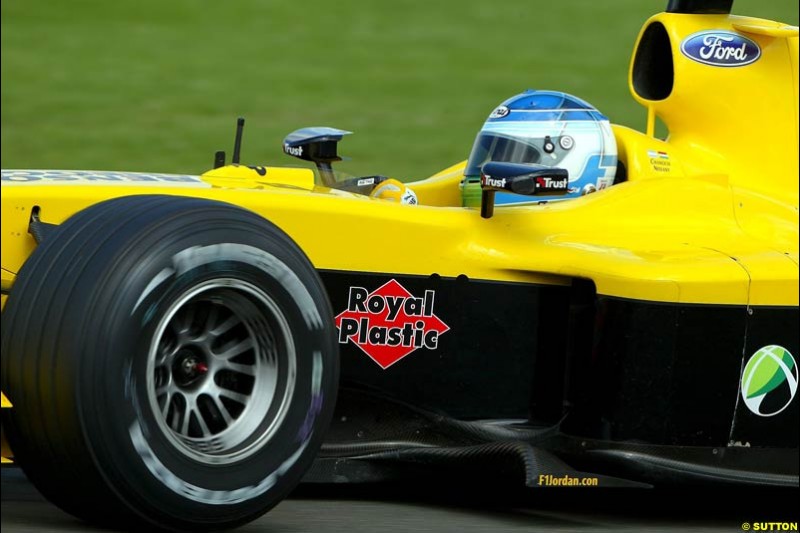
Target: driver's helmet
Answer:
pixel 548 128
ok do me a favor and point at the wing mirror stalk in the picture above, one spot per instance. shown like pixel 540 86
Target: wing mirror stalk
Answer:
pixel 317 144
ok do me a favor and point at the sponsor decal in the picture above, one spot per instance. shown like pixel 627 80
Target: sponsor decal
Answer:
pixel 544 183
pixel 389 323
pixel 500 112
pixel 98 177
pixel 488 181
pixel 363 182
pixel 549 480
pixel 769 380
pixel 660 161
pixel 603 183
pixel 296 151
pixel 409 197
pixel 720 48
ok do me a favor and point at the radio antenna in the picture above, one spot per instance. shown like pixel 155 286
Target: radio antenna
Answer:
pixel 237 143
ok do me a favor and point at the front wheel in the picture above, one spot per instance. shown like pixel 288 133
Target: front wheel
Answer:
pixel 171 361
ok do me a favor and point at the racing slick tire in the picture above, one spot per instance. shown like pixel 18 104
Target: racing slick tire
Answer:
pixel 172 363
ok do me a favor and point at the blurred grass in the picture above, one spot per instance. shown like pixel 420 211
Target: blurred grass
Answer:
pixel 157 85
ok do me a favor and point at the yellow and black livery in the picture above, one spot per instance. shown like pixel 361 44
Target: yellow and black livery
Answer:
pixel 647 332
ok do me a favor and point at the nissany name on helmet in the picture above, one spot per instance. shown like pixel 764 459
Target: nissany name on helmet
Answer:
pixel 488 181
pixel 296 151
pixel 720 48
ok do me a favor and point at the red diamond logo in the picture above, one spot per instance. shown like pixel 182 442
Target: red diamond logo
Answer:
pixel 389 323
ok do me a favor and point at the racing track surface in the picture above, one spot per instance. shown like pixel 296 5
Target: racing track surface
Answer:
pixel 404 508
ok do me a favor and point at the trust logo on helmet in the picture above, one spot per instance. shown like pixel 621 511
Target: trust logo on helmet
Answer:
pixel 548 128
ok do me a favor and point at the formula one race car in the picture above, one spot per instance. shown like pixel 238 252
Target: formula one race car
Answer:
pixel 173 346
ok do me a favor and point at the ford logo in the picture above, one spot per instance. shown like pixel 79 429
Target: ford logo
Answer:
pixel 720 48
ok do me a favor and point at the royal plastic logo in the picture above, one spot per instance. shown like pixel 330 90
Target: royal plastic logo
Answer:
pixel 720 48
pixel 769 380
pixel 389 323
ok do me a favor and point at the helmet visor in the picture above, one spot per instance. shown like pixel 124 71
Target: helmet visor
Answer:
pixel 498 147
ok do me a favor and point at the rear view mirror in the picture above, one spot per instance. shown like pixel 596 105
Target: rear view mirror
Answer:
pixel 317 144
pixel 519 178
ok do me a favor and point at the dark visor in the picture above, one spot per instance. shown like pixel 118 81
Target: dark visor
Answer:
pixel 494 147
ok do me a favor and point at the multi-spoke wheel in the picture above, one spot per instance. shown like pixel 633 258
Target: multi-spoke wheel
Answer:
pixel 184 358
pixel 221 370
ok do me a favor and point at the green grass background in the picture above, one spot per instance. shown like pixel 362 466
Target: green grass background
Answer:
pixel 157 85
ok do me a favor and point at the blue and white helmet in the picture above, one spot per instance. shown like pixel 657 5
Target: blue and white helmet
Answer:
pixel 548 128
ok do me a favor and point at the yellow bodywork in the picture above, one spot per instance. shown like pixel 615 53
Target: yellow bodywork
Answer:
pixel 671 239
pixel 5 455
pixel 718 224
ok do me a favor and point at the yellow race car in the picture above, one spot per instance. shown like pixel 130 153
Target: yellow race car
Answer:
pixel 173 346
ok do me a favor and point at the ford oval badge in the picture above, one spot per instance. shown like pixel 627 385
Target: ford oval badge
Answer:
pixel 720 48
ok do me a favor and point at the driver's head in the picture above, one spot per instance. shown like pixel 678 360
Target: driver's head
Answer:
pixel 546 128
